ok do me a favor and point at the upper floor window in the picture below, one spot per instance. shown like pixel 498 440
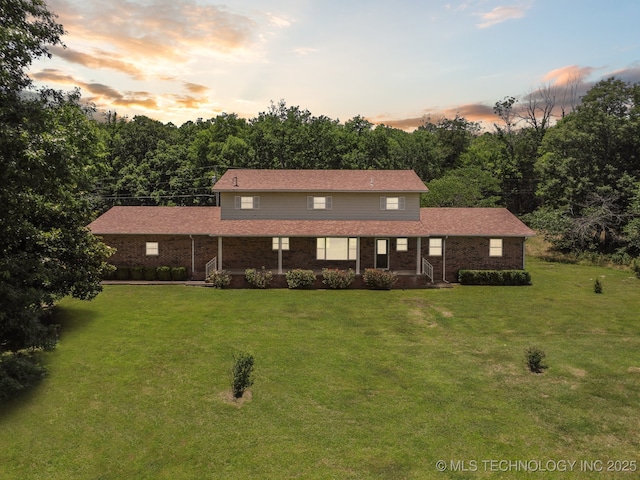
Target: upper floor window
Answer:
pixel 247 203
pixel 402 244
pixel 435 247
pixel 495 247
pixel 278 242
pixel 319 203
pixel 392 203
pixel 152 248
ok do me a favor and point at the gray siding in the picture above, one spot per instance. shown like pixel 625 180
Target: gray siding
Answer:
pixel 344 206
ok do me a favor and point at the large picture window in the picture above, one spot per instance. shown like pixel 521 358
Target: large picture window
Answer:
pixel 336 248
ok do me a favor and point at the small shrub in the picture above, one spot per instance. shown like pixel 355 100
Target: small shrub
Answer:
pixel 298 278
pixel 379 279
pixel 164 273
pixel 258 278
pixel 219 279
pixel 18 371
pixel 597 286
pixel 179 274
pixel 338 279
pixel 535 357
pixel 150 273
pixel 136 273
pixel 241 373
pixel 122 273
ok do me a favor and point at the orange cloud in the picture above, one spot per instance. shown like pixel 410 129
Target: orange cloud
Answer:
pixel 195 88
pixel 568 74
pixel 502 14
pixel 473 112
pixel 157 30
pixel 100 59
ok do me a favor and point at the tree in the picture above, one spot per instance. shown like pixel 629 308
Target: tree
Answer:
pixel 589 165
pixel 46 141
pixel 463 187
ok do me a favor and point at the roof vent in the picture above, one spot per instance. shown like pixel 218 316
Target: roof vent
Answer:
pixel 372 181
pixel 235 181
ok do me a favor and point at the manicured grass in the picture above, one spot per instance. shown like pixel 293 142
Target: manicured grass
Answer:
pixel 348 384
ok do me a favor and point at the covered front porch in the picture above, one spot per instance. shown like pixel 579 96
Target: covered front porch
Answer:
pixel 402 255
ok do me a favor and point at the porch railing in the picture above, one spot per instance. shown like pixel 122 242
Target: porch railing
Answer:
pixel 427 269
pixel 212 266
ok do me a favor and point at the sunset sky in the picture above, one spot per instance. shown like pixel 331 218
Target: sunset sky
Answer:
pixel 391 62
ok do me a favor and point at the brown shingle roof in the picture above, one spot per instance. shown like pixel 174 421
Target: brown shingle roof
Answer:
pixel 497 222
pixel 242 180
pixel 157 220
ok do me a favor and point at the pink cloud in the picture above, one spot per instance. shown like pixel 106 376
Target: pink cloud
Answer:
pixel 502 14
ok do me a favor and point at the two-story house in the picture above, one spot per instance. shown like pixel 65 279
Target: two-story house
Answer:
pixel 314 219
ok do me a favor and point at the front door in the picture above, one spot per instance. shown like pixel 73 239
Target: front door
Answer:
pixel 382 253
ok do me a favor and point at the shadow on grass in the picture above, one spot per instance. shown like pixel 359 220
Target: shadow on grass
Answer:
pixel 59 321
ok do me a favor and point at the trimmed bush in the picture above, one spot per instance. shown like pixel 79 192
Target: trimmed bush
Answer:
pixel 494 277
pixel 379 279
pixel 219 279
pixel 164 273
pixel 136 273
pixel 535 357
pixel 338 279
pixel 122 273
pixel 18 371
pixel 258 278
pixel 298 278
pixel 241 373
pixel 179 274
pixel 150 273
pixel 109 273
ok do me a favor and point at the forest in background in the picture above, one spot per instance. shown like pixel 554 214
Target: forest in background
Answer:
pixel 575 175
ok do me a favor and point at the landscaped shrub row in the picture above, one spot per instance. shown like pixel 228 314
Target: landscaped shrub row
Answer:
pixel 494 277
pixel 299 278
pixel 148 273
pixel 334 278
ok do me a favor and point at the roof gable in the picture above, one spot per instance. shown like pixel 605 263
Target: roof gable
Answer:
pixel 246 180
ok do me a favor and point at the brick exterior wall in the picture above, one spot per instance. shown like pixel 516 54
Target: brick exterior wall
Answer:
pixel 240 253
pixel 174 251
pixel 472 253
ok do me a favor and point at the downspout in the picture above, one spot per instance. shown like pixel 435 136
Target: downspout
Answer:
pixel 524 251
pixel 444 260
pixel 193 256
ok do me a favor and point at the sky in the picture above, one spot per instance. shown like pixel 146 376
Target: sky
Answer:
pixel 396 63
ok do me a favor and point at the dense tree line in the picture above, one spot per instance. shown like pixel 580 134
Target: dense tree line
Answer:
pixel 578 179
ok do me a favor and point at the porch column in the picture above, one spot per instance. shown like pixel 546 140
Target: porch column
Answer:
pixel 357 255
pixel 419 255
pixel 279 255
pixel 219 252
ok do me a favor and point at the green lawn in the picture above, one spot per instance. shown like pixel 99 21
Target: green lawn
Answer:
pixel 348 384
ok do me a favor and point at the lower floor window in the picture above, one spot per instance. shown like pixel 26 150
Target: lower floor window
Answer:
pixel 336 248
pixel 435 247
pixel 402 244
pixel 278 242
pixel 152 248
pixel 495 247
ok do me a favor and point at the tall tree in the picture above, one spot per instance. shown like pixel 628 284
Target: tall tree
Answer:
pixel 46 141
pixel 590 163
